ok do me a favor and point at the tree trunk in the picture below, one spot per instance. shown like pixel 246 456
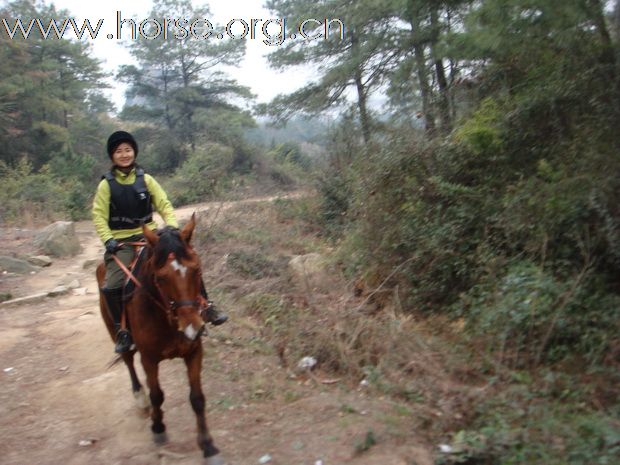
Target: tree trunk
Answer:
pixel 453 67
pixel 608 55
pixel 361 103
pixel 167 116
pixel 598 16
pixel 421 71
pixel 361 92
pixel 616 22
pixel 65 113
pixel 442 83
pixel 189 113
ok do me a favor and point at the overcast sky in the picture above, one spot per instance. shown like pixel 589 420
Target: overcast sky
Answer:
pixel 253 71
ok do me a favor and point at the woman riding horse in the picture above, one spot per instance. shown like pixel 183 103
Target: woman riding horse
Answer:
pixel 124 201
pixel 164 314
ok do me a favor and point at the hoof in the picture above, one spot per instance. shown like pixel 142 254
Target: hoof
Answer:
pixel 214 460
pixel 142 402
pixel 160 438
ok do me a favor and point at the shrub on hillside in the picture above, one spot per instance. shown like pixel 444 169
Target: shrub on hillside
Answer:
pixel 26 195
pixel 526 315
pixel 201 176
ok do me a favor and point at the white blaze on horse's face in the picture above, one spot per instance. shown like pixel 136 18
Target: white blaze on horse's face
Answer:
pixel 191 325
pixel 178 267
pixel 190 332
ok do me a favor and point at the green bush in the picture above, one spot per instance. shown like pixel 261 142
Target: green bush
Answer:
pixel 527 315
pixel 201 176
pixel 74 173
pixel 482 132
pixel 336 197
pixel 290 152
pixel 304 211
pixel 423 231
pixel 27 195
pixel 513 431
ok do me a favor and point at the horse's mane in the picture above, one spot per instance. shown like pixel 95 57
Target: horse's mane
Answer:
pixel 169 242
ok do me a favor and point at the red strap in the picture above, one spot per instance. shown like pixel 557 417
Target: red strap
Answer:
pixel 132 265
pixel 136 244
pixel 125 270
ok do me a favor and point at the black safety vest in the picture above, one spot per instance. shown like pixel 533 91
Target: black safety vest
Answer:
pixel 130 204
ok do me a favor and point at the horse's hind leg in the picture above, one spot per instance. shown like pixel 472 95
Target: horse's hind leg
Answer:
pixel 197 399
pixel 138 392
pixel 157 399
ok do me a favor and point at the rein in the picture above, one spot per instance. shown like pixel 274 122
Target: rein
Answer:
pixel 126 270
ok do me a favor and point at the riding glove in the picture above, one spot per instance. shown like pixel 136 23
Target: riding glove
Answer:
pixel 112 245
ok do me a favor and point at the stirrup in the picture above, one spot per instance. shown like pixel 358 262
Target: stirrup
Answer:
pixel 124 342
pixel 211 315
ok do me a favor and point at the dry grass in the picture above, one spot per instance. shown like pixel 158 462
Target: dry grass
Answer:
pixel 354 335
pixel 31 215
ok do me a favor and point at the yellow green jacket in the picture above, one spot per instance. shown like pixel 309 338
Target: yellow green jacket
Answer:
pixel 101 206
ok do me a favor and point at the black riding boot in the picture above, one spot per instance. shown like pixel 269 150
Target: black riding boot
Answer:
pixel 114 299
pixel 210 314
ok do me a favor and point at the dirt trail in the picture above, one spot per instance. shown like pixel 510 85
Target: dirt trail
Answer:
pixel 60 404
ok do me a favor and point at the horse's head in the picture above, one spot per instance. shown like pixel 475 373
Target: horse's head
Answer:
pixel 177 276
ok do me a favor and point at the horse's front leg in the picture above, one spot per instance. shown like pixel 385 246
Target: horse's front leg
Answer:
pixel 151 368
pixel 138 393
pixel 197 399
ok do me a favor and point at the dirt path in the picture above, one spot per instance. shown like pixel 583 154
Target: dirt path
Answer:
pixel 60 404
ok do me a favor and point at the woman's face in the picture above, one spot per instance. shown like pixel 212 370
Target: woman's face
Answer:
pixel 123 156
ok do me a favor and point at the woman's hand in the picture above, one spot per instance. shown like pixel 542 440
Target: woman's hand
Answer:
pixel 112 245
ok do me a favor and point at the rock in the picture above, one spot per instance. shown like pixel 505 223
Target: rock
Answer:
pixel 306 363
pixel 73 284
pixel 80 291
pixel 309 272
pixel 58 240
pixel 69 278
pixel 264 459
pixel 40 260
pixel 60 290
pixel 91 263
pixel 25 300
pixel 15 265
pixel 87 442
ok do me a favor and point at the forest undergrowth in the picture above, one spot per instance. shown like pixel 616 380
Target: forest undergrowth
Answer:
pixel 452 390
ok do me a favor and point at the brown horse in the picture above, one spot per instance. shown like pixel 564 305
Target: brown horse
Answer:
pixel 163 314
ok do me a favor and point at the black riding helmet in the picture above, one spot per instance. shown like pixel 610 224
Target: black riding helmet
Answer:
pixel 117 138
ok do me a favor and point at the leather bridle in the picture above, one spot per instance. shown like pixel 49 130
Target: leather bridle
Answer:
pixel 172 306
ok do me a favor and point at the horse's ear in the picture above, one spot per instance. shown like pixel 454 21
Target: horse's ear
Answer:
pixel 150 236
pixel 188 229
